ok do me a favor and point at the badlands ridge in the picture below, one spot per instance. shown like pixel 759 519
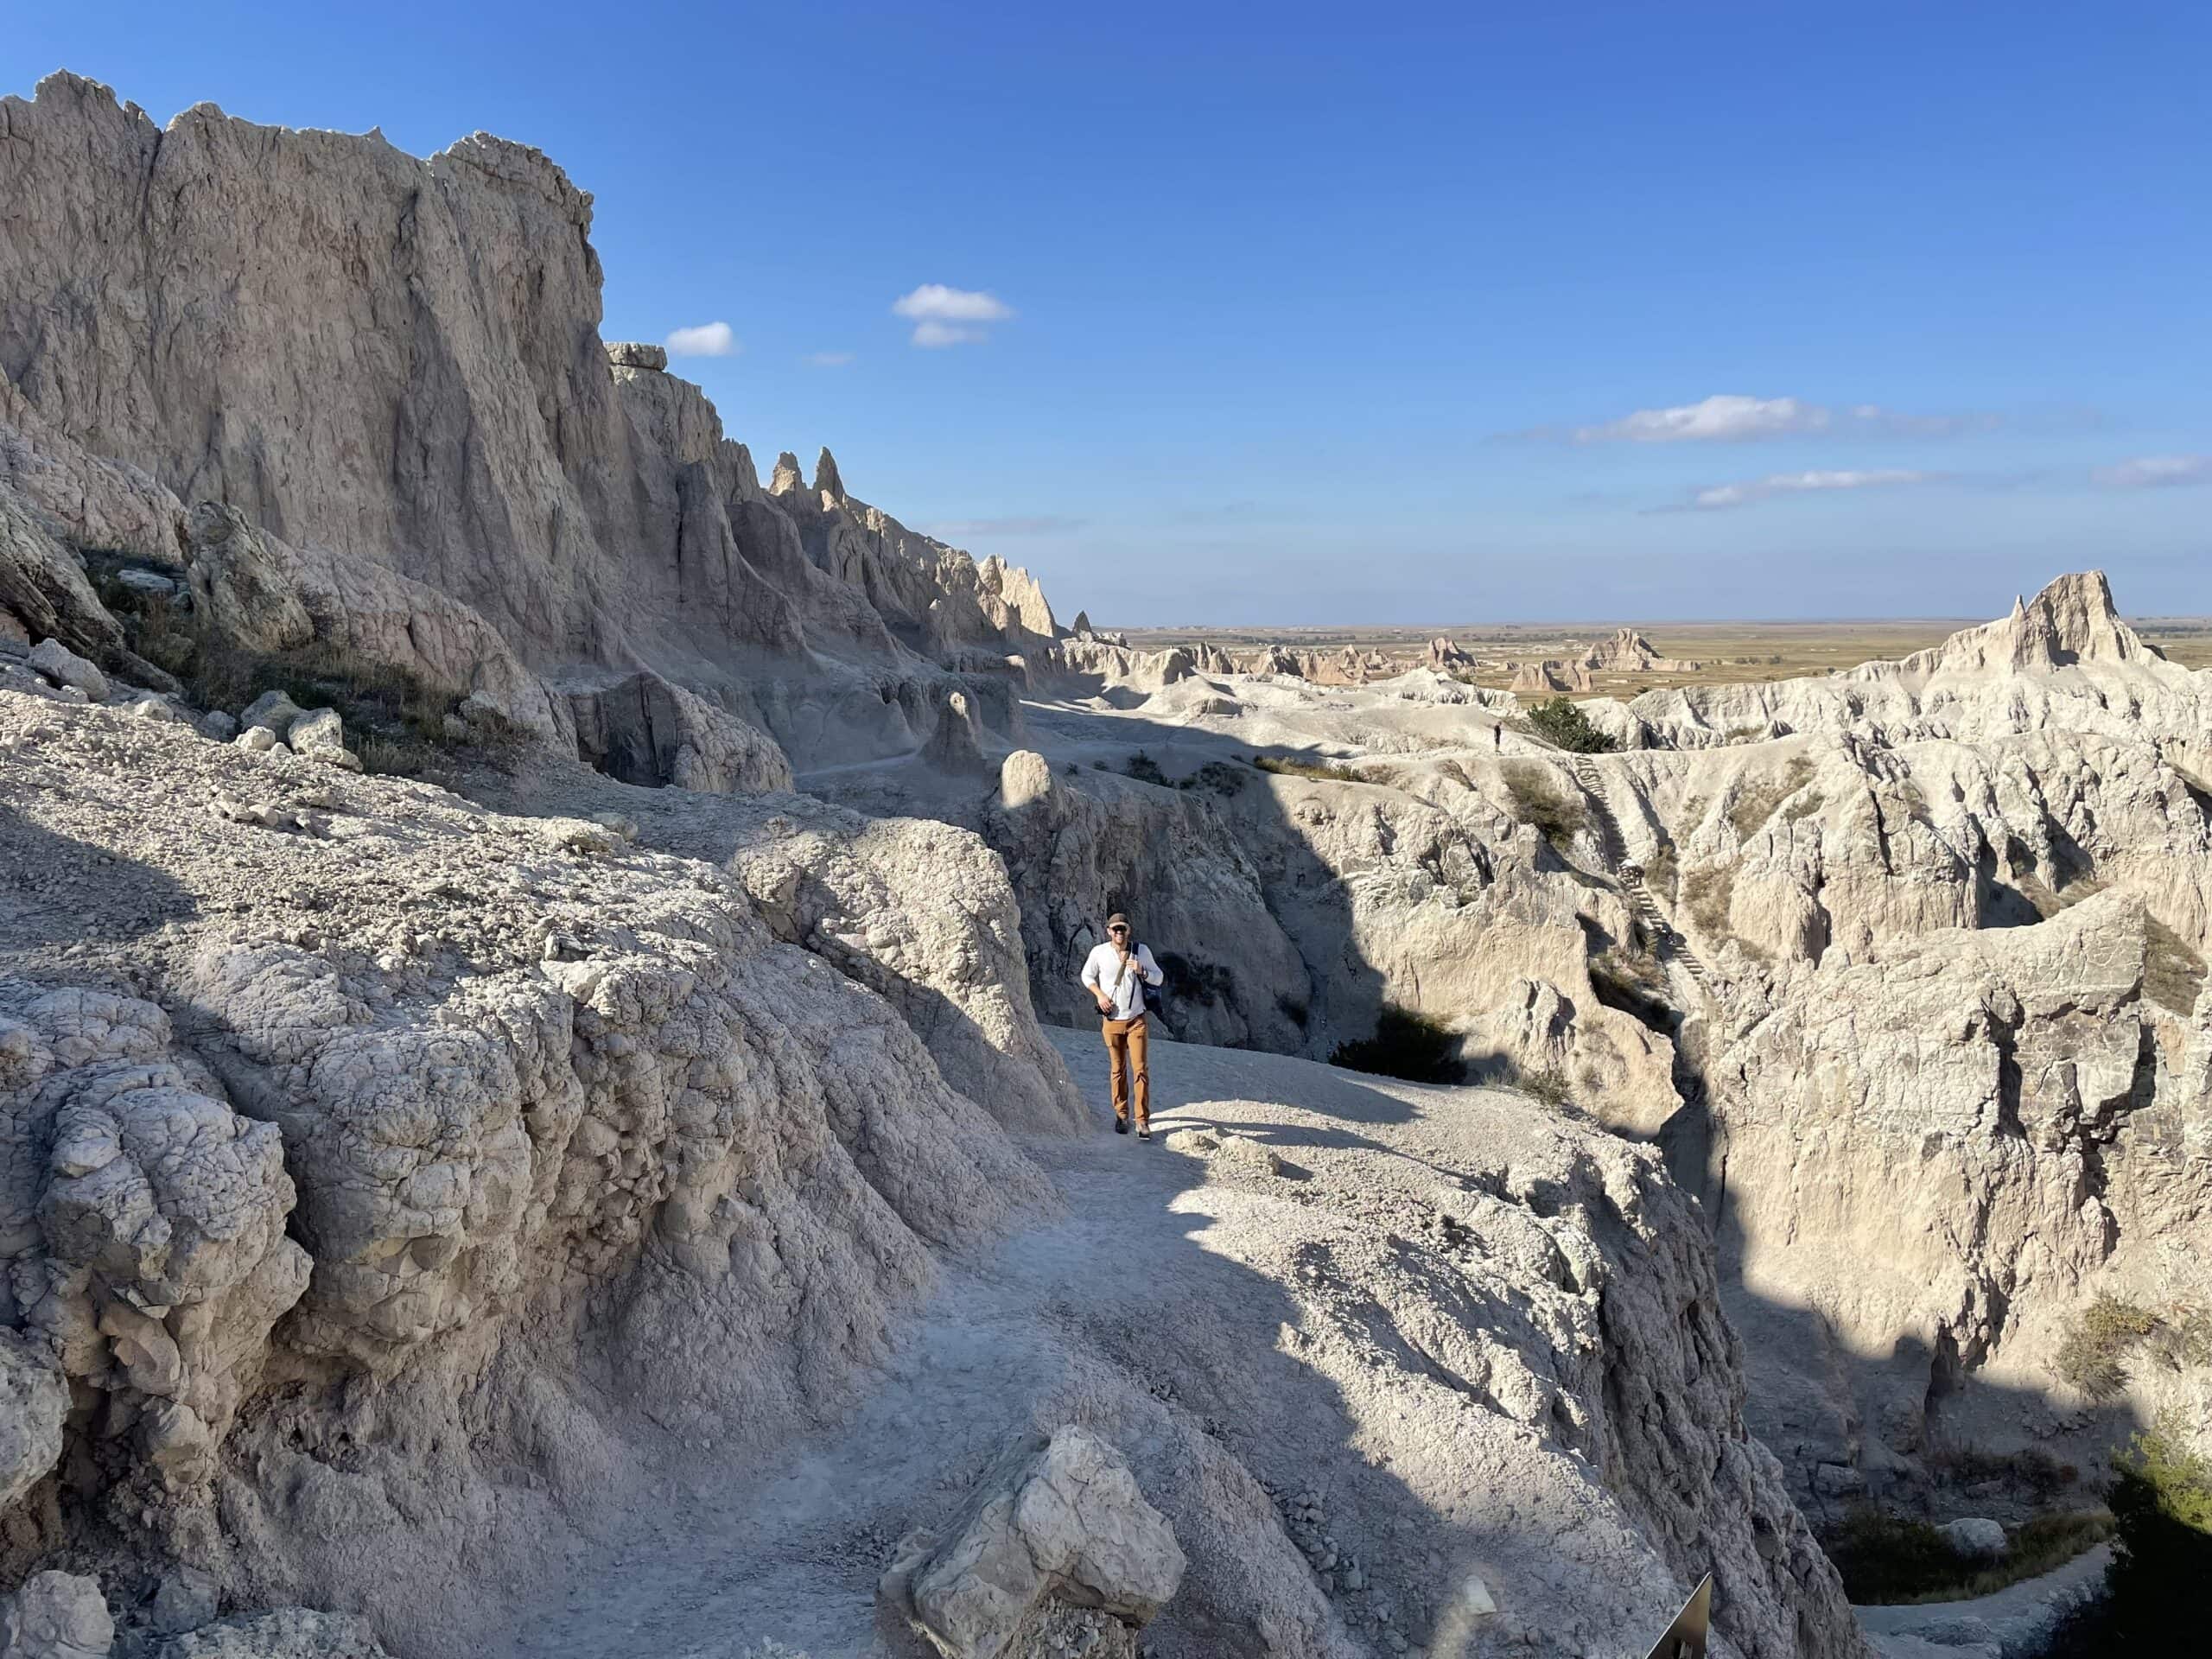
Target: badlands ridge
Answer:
pixel 625 1188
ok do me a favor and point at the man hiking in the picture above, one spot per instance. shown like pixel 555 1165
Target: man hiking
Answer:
pixel 1115 974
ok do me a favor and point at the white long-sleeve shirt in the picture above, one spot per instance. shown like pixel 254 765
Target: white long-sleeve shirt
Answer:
pixel 1102 972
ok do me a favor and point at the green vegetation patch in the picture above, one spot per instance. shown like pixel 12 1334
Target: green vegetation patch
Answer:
pixel 1558 812
pixel 2162 1548
pixel 1406 1045
pixel 1289 766
pixel 1562 723
pixel 2093 1358
pixel 1145 770
pixel 395 719
pixel 1886 1559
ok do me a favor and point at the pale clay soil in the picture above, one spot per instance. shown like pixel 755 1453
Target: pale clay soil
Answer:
pixel 1158 1298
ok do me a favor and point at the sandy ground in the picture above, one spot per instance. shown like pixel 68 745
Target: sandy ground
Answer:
pixel 1183 1308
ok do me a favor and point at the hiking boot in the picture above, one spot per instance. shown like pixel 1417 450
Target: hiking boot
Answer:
pixel 1144 1131
pixel 1120 1126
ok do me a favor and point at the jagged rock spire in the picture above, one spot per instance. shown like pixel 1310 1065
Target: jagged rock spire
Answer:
pixel 787 476
pixel 826 480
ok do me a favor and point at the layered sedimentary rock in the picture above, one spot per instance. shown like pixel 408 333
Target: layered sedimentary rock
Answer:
pixel 436 1089
pixel 389 368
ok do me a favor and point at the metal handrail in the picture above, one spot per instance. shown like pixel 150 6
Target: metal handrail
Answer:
pixel 1685 1637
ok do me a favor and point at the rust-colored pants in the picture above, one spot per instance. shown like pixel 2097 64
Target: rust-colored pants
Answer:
pixel 1125 1056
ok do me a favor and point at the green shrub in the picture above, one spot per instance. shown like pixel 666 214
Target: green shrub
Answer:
pixel 2093 1358
pixel 1706 895
pixel 1887 1559
pixel 395 719
pixel 1145 770
pixel 1549 1085
pixel 1405 1044
pixel 2162 1509
pixel 1563 723
pixel 1540 799
pixel 1286 767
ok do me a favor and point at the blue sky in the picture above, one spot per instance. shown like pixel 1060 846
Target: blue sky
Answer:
pixel 1289 314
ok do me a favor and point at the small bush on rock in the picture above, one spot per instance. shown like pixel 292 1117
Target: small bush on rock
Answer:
pixel 2093 1358
pixel 1145 770
pixel 1540 799
pixel 1405 1044
pixel 1563 723
pixel 1292 768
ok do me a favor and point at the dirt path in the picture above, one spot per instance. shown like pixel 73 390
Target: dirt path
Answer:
pixel 1220 1323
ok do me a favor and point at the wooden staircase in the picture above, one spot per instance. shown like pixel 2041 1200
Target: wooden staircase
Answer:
pixel 1672 948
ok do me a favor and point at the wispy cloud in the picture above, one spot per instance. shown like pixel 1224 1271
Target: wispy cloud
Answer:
pixel 2155 472
pixel 1730 418
pixel 949 316
pixel 1716 497
pixel 703 340
pixel 1723 419
pixel 1040 525
pixel 828 360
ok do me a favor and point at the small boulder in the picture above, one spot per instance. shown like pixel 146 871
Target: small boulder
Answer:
pixel 220 728
pixel 1024 777
pixel 256 740
pixel 1067 1524
pixel 56 1616
pixel 157 709
pixel 1976 1536
pixel 273 709
pixel 320 735
pixel 65 667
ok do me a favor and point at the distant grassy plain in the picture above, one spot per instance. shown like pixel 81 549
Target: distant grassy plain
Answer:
pixel 1727 652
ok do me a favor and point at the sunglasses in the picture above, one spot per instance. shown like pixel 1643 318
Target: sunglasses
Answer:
pixel 1118 929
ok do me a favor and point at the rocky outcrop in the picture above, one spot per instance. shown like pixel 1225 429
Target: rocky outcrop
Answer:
pixel 56 1616
pixel 1556 678
pixel 516 1082
pixel 1627 651
pixel 644 730
pixel 482 494
pixel 1931 1159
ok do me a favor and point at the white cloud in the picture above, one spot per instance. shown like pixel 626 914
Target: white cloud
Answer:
pixel 1722 418
pixel 2155 472
pixel 829 359
pixel 1718 496
pixel 951 304
pixel 949 316
pixel 704 339
pixel 1728 417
